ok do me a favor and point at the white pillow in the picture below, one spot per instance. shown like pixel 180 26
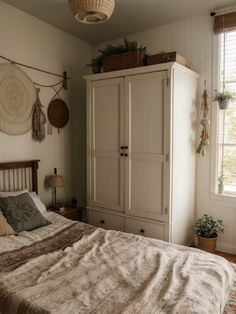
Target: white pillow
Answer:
pixel 13 193
pixel 39 204
pixel 41 207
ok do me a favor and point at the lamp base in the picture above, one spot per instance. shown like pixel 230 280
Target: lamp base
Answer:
pixel 55 206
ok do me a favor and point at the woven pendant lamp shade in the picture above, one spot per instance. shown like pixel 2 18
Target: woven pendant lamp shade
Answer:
pixel 92 11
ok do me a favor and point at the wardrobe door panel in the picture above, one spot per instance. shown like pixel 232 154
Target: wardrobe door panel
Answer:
pixel 107 165
pixel 145 165
pixel 146 116
pixel 146 188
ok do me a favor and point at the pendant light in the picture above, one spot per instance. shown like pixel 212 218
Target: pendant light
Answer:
pixel 92 11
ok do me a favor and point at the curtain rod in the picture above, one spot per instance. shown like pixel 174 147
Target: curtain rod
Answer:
pixel 64 76
pixel 221 11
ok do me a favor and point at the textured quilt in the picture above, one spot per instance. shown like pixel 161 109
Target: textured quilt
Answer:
pixel 114 272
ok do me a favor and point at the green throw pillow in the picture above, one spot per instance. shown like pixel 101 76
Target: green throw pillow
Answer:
pixel 21 213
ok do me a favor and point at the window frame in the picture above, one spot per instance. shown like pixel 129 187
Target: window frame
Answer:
pixel 215 126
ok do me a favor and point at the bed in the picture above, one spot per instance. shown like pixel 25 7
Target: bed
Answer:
pixel 72 267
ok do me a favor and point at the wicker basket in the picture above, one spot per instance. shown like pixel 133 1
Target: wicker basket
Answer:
pixel 124 60
pixel 92 11
pixel 167 57
pixel 207 244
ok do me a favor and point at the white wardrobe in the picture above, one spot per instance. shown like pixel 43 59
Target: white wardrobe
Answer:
pixel 141 158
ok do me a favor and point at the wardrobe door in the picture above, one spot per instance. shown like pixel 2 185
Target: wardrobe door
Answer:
pixel 146 193
pixel 107 137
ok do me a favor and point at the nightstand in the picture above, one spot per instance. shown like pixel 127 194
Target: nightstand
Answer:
pixel 69 213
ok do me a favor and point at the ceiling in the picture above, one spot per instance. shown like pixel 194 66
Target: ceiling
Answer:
pixel 129 16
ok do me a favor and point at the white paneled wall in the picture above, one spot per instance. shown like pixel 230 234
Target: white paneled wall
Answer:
pixel 193 38
pixel 26 39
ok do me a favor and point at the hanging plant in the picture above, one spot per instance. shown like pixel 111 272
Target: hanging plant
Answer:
pixel 223 99
pixel 205 122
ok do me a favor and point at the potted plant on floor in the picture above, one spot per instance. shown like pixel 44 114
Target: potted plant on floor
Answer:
pixel 223 99
pixel 208 229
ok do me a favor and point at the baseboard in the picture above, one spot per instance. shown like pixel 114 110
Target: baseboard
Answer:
pixel 227 248
pixel 221 246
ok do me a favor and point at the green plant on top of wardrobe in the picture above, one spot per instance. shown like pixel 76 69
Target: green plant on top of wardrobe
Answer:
pixel 110 50
pixel 126 46
pixel 96 64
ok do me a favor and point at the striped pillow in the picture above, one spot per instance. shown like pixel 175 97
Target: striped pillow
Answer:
pixel 5 228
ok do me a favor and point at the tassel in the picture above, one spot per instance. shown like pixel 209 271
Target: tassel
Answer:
pixel 38 120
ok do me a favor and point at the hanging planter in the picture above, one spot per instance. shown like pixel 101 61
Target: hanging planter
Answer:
pixel 223 99
pixel 223 104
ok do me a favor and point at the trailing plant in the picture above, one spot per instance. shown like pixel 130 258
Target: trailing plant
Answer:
pixel 96 64
pixel 221 179
pixel 126 46
pixel 109 50
pixel 208 227
pixel 222 96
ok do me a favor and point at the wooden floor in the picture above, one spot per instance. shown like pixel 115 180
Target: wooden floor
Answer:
pixel 230 257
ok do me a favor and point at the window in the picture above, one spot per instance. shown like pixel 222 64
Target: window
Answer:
pixel 226 143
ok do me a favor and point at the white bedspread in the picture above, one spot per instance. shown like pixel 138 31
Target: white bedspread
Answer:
pixel 113 272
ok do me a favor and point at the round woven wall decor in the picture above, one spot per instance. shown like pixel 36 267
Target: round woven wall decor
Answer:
pixel 58 113
pixel 92 11
pixel 17 97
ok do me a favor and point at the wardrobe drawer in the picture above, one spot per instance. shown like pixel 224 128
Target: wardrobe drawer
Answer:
pixel 147 229
pixel 105 220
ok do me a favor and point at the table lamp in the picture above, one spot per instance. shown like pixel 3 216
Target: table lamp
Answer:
pixel 55 181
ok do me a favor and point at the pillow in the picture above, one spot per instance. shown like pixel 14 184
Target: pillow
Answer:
pixel 41 207
pixel 5 228
pixel 39 204
pixel 21 212
pixel 13 193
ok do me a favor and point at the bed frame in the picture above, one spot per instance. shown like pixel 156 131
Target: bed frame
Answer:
pixel 19 175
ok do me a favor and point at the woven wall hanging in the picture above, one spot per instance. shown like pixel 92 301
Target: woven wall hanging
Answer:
pixel 17 97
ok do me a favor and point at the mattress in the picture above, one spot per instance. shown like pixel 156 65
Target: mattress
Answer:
pixel 71 267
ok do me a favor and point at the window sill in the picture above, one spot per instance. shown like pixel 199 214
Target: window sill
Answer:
pixel 229 199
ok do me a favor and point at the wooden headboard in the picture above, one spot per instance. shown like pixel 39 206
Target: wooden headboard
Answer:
pixel 19 175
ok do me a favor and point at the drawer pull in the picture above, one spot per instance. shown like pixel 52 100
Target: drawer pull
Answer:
pixel 102 221
pixel 126 155
pixel 122 147
pixel 122 154
pixel 142 230
pixel 126 147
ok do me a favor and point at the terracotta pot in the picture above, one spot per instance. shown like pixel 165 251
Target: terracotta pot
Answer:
pixel 224 104
pixel 207 244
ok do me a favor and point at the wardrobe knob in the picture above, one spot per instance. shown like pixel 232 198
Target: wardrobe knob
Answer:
pixel 122 147
pixel 122 155
pixel 125 147
pixel 126 155
pixel 142 230
pixel 102 221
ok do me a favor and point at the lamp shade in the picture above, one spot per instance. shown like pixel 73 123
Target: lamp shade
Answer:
pixel 92 11
pixel 56 181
